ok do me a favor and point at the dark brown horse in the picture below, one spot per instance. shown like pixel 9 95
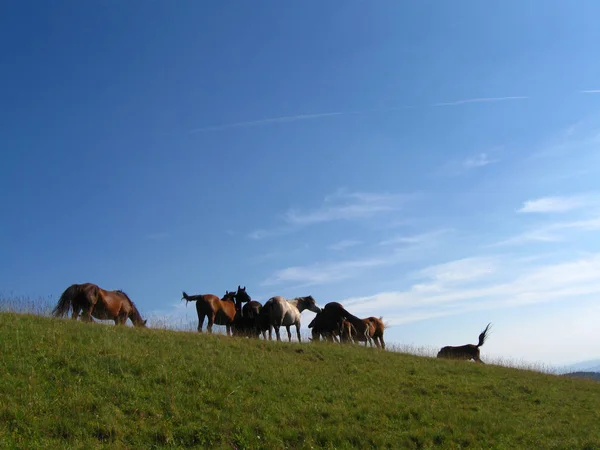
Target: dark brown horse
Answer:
pixel 92 300
pixel 324 326
pixel 468 351
pixel 331 318
pixel 373 332
pixel 245 323
pixel 241 296
pixel 219 311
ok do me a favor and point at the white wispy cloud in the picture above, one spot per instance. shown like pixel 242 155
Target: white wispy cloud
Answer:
pixel 322 273
pixel 264 233
pixel 480 160
pixel 460 270
pixel 481 100
pixel 591 91
pixel 348 206
pixel 553 204
pixel 553 232
pixel 482 283
pixel 413 249
pixel 340 206
pixel 457 167
pixel 429 237
pixel 344 244
pixel 279 253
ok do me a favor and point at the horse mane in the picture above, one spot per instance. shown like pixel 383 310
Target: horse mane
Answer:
pixel 124 295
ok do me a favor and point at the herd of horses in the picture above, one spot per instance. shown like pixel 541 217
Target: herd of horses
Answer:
pixel 243 316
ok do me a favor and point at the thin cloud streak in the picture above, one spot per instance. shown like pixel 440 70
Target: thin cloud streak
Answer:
pixel 335 271
pixel 591 91
pixel 343 245
pixel 340 206
pixel 552 205
pixel 301 117
pixel 552 232
pixel 429 237
pixel 480 160
pixel 481 100
pixel 274 120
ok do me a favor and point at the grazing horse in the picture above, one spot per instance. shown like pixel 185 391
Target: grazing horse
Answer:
pixel 99 303
pixel 372 332
pixel 332 317
pixel 281 312
pixel 468 351
pixel 219 311
pixel 320 328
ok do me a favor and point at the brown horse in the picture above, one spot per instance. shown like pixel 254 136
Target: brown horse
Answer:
pixel 321 327
pixel 219 311
pixel 331 318
pixel 372 332
pixel 241 296
pixel 99 303
pixel 468 351
pixel 245 323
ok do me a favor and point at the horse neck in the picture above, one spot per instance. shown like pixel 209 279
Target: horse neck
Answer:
pixel 354 320
pixel 297 301
pixel 135 316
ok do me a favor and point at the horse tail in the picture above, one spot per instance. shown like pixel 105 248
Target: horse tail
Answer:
pixel 483 336
pixel 66 300
pixel 189 298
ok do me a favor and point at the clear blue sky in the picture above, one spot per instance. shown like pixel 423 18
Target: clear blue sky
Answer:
pixel 432 163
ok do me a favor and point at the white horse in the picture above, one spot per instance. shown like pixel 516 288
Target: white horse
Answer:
pixel 281 311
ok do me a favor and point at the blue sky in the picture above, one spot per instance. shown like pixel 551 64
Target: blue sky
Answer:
pixel 432 163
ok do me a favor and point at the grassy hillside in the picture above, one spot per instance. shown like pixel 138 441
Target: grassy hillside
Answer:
pixel 588 375
pixel 67 384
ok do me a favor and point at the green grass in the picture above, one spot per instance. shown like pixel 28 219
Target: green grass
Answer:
pixel 66 384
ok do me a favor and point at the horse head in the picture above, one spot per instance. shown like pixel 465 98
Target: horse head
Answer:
pixel 309 303
pixel 241 296
pixel 229 296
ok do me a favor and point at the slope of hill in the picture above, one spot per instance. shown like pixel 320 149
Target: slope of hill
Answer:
pixel 592 365
pixel 588 375
pixel 71 384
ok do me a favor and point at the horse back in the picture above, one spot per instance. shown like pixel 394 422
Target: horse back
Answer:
pixel 377 326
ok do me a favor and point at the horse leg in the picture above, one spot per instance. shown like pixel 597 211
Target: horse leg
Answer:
pixel 211 320
pixel 87 314
pixel 287 327
pixel 75 313
pixel 200 323
pixel 298 332
pixel 228 326
pixel 120 318
pixel 277 332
